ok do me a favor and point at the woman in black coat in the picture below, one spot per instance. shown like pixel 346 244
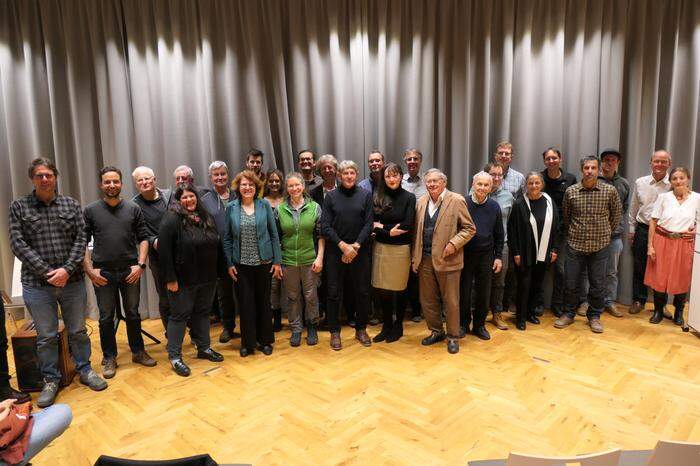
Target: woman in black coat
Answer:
pixel 532 234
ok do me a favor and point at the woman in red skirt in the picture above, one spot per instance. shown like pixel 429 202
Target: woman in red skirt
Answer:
pixel 671 241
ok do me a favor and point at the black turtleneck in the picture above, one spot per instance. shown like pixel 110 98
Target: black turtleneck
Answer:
pixel 347 216
pixel 401 209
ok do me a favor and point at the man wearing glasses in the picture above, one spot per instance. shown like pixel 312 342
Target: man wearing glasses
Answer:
pixel 513 180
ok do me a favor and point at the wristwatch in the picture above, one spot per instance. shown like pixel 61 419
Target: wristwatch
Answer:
pixel 143 266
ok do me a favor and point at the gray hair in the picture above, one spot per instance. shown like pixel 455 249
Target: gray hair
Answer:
pixel 534 173
pixel 482 174
pixel 437 172
pixel 589 158
pixel 347 165
pixel 216 164
pixel 137 170
pixel 657 151
pixel 189 171
pixel 327 158
pixel 412 151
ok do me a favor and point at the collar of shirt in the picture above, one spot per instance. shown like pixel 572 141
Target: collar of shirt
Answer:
pixel 412 179
pixel 595 187
pixel 664 180
pixel 39 202
pixel 473 196
pixel 434 205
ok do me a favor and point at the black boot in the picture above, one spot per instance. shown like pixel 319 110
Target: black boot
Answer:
pixel 657 316
pixel 276 320
pixel 678 316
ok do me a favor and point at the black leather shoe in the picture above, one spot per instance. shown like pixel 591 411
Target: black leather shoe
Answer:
pixel 463 332
pixel 533 320
pixel 382 335
pixel 395 333
pixel 246 352
pixel 520 325
pixel 656 317
pixel 434 337
pixel 539 310
pixel 452 345
pixel 482 333
pixel 180 367
pixel 267 350
pixel 9 393
pixel 210 355
pixel 678 317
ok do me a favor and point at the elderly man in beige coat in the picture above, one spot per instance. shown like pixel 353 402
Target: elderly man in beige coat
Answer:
pixel 443 227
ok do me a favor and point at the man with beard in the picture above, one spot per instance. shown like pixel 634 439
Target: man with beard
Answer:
pixel 120 248
pixel 306 163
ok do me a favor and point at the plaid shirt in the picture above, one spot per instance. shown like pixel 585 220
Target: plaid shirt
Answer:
pixel 514 181
pixel 45 237
pixel 591 215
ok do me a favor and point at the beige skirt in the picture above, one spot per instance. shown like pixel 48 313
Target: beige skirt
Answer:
pixel 390 266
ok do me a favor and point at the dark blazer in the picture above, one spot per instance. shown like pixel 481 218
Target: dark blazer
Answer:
pixel 521 241
pixel 268 238
pixel 317 193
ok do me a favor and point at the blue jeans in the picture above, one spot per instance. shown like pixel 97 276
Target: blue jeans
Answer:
pixel 611 279
pixel 595 265
pixel 49 423
pixel 42 303
pixel 107 301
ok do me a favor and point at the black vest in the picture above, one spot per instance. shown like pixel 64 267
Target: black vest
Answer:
pixel 428 229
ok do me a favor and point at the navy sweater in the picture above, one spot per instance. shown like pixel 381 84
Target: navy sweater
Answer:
pixel 347 216
pixel 489 228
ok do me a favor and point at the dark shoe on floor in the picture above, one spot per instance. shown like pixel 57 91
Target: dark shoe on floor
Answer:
pixel 312 335
pixel 266 350
pixel 612 310
pixel 336 344
pixel 678 317
pixel 180 367
pixel 396 332
pixel 245 352
pixel 498 321
pixel 362 337
pixel 557 312
pixel 143 358
pixel 533 319
pixel 93 381
pixel 539 310
pixel 47 395
pixel 482 333
pixel 596 325
pixel 374 321
pixel 433 338
pixel 295 340
pixel 9 393
pixel 109 368
pixel 210 355
pixel 564 321
pixel 453 345
pixel 383 333
pixel 417 318
pixel 520 325
pixel 656 317
pixel 463 332
pixel 636 307
pixel 226 336
pixel 276 320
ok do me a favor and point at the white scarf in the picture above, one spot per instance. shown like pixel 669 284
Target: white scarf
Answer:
pixel 541 248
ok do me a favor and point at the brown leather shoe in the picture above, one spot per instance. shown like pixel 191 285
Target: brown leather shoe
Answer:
pixel 612 310
pixel 582 309
pixel 499 322
pixel 596 325
pixel 564 321
pixel 143 358
pixel 362 337
pixel 336 345
pixel 636 307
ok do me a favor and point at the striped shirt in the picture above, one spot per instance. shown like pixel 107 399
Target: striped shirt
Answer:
pixel 45 237
pixel 591 215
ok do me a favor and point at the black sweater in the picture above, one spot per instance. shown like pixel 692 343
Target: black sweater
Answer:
pixel 188 255
pixel 520 239
pixel 489 228
pixel 401 211
pixel 347 216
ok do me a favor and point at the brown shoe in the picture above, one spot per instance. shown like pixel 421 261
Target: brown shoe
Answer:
pixel 362 337
pixel 564 321
pixel 636 307
pixel 499 322
pixel 596 325
pixel 109 367
pixel 612 310
pixel 336 345
pixel 143 358
pixel 582 309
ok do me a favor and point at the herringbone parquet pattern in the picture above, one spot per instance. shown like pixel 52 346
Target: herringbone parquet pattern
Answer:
pixel 543 391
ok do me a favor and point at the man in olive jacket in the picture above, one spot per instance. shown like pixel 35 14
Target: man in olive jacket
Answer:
pixel 443 227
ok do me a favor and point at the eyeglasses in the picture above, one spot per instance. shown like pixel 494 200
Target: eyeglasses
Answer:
pixel 503 152
pixel 48 176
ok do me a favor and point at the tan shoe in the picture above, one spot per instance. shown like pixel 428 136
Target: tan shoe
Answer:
pixel 143 358
pixel 612 310
pixel 499 322
pixel 582 309
pixel 564 321
pixel 596 325
pixel 362 337
pixel 109 368
pixel 336 344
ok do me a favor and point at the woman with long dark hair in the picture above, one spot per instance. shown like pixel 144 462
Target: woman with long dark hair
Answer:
pixel 252 250
pixel 394 212
pixel 188 248
pixel 274 194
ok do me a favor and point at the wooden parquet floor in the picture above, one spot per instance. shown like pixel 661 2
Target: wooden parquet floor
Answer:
pixel 543 391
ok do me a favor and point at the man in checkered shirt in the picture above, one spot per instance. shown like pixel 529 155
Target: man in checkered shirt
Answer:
pixel 47 234
pixel 591 210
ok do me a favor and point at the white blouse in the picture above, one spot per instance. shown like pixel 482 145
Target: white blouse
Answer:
pixel 673 216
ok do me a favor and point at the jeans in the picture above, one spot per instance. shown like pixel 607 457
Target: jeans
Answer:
pixel 107 302
pixel 639 251
pixel 42 303
pixel 611 279
pixel 340 276
pixel 300 286
pixel 595 264
pixel 253 290
pixel 558 278
pixel 498 283
pixel 190 304
pixel 478 268
pixel 49 424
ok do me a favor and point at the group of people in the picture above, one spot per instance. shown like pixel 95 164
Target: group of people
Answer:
pixel 318 240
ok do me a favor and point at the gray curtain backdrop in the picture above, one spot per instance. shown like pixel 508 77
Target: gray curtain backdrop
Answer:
pixel 161 83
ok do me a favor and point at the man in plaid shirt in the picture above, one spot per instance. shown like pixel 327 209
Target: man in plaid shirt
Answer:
pixel 47 234
pixel 591 211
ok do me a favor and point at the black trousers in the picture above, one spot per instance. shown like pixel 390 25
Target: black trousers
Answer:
pixel 411 295
pixel 530 280
pixel 163 302
pixel 357 273
pixel 639 251
pixel 477 272
pixel 393 305
pixel 189 304
pixel 226 300
pixel 4 368
pixel 253 290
